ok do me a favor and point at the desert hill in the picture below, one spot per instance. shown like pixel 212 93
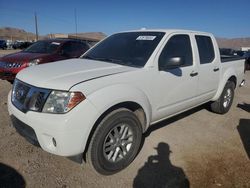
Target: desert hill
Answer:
pixel 20 34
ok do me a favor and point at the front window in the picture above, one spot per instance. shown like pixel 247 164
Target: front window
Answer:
pixel 130 49
pixel 44 47
pixel 177 46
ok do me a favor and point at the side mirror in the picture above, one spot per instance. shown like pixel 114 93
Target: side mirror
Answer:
pixel 173 62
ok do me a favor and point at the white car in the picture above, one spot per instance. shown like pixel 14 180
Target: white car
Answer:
pixel 102 103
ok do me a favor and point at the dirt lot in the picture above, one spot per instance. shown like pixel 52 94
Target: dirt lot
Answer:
pixel 4 52
pixel 196 149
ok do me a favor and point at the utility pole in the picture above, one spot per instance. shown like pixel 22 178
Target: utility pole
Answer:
pixel 36 27
pixel 75 23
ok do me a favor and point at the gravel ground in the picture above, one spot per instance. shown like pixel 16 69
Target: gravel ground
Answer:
pixel 5 52
pixel 195 149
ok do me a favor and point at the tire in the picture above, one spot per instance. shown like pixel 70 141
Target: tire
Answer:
pixel 224 103
pixel 115 142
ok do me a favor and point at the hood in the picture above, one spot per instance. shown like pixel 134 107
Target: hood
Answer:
pixel 22 57
pixel 62 75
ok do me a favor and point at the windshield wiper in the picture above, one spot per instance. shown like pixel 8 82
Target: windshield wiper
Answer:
pixel 88 57
pixel 116 61
pixel 101 59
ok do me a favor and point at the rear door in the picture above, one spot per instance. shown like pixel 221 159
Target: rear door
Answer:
pixel 209 68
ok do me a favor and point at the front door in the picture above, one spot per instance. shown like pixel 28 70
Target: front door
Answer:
pixel 177 77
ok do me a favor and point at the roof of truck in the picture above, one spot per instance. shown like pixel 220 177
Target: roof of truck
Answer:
pixel 168 31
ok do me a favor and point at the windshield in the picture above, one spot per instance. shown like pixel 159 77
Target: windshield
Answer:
pixel 131 49
pixel 43 47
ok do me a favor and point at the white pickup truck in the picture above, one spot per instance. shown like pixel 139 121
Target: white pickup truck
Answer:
pixel 100 104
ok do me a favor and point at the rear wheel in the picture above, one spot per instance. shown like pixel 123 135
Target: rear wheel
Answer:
pixel 115 142
pixel 223 104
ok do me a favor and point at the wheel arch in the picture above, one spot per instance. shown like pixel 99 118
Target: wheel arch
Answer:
pixel 230 75
pixel 233 79
pixel 124 96
pixel 130 105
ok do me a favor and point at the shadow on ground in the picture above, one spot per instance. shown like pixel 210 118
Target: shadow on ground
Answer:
pixel 158 171
pixel 244 106
pixel 244 131
pixel 9 177
pixel 173 119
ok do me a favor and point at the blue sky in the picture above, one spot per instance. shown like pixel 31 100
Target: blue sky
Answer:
pixel 224 18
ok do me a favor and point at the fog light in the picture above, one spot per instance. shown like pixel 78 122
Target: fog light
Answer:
pixel 54 141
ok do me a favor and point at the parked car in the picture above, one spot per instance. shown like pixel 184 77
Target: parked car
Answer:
pixel 17 44
pixel 3 44
pixel 25 45
pixel 247 57
pixel 228 52
pixel 9 44
pixel 102 103
pixel 240 53
pixel 41 52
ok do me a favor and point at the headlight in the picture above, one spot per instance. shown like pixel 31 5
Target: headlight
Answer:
pixel 62 101
pixel 33 62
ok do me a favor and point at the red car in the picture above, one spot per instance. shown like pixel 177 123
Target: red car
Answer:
pixel 43 51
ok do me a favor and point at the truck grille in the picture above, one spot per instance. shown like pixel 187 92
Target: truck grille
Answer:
pixel 28 98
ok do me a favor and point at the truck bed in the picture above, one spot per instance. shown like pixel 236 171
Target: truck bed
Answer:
pixel 226 58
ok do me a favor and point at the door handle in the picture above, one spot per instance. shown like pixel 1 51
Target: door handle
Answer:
pixel 216 69
pixel 192 74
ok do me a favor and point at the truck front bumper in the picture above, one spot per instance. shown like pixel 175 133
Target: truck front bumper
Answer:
pixel 60 134
pixel 24 130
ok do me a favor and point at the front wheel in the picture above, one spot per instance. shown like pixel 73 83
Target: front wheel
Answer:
pixel 115 142
pixel 223 104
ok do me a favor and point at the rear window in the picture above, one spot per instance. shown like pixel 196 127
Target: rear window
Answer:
pixel 205 48
pixel 47 47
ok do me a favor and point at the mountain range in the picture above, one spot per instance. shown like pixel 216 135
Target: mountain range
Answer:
pixel 20 34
